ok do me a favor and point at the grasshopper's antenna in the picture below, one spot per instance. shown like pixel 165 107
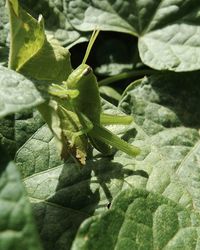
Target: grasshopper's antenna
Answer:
pixel 90 44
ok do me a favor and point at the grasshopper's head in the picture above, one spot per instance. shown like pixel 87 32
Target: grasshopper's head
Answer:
pixel 84 71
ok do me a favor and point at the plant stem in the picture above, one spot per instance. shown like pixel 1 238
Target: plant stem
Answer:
pixel 125 75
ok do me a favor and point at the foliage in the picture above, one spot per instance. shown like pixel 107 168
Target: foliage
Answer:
pixel 150 201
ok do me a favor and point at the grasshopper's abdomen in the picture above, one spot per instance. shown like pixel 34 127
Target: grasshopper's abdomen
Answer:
pixel 88 100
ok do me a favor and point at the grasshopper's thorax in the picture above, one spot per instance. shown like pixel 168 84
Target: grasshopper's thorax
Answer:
pixel 88 100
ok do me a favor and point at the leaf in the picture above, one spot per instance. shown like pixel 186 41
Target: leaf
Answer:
pixel 4 23
pixel 17 226
pixel 56 21
pixel 31 154
pixel 4 55
pixel 168 132
pixel 17 92
pixel 4 31
pixel 110 92
pixel 85 15
pixel 32 53
pixel 57 222
pixel 16 129
pixel 64 195
pixel 54 61
pixel 140 220
pixel 7 136
pixel 25 125
pixel 22 27
pixel 165 108
pixel 168 31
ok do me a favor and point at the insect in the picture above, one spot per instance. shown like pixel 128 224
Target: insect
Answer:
pixel 80 94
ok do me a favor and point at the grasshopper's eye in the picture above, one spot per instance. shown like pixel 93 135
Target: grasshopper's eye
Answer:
pixel 87 71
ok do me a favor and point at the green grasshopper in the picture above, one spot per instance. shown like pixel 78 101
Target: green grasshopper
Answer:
pixel 80 94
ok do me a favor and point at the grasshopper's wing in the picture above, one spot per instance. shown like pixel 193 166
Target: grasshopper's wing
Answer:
pixel 103 135
pixel 75 143
pixel 64 124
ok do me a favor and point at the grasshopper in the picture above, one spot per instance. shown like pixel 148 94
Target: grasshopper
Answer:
pixel 80 94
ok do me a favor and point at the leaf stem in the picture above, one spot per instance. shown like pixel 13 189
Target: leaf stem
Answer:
pixel 126 75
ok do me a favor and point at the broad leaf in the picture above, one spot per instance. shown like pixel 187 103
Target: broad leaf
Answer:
pixel 25 125
pixel 56 21
pixel 17 92
pixel 31 154
pixel 109 92
pixel 165 108
pixel 4 31
pixel 168 31
pixel 18 230
pixel 16 129
pixel 4 23
pixel 24 30
pixel 140 220
pixel 31 52
pixel 65 194
pixel 57 222
pixel 168 164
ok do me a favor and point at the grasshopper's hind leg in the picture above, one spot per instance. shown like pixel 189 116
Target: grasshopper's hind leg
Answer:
pixel 104 135
pixel 100 145
pixel 108 119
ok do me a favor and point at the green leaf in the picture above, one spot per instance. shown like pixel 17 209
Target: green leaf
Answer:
pixel 25 30
pixel 168 31
pixel 4 23
pixel 86 15
pixel 30 153
pixel 32 53
pixel 17 92
pixel 166 115
pixel 26 124
pixel 110 92
pixel 51 63
pixel 56 21
pixel 140 220
pixel 7 136
pixel 65 194
pixel 16 129
pixel 4 31
pixel 57 222
pixel 17 227
pixel 165 108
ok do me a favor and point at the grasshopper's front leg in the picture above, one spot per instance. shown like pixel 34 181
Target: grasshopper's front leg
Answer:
pixel 61 91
